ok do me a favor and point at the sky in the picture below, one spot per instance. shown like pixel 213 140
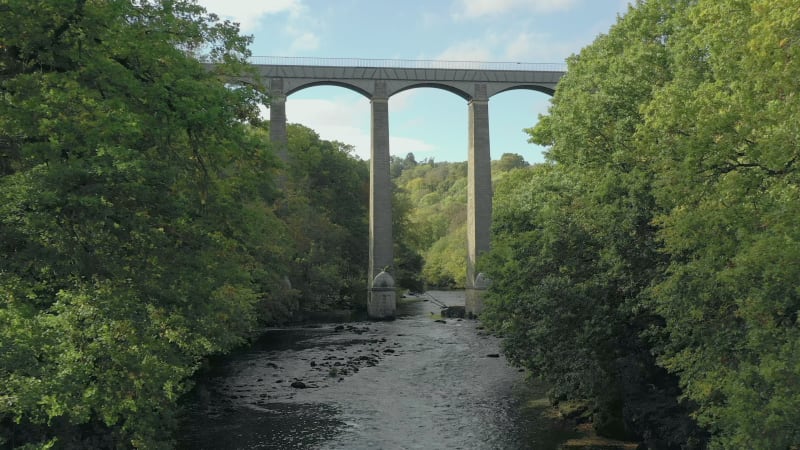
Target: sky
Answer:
pixel 429 122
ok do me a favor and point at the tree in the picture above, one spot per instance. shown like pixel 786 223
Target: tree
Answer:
pixel 509 161
pixel 326 209
pixel 726 155
pixel 666 225
pixel 574 248
pixel 408 262
pixel 132 235
pixel 435 227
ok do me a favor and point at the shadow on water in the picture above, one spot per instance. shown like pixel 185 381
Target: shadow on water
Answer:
pixel 272 426
pixel 411 383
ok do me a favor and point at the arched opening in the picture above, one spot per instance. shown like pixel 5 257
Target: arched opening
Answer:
pixel 511 112
pixel 430 122
pixel 335 113
pixel 349 86
pixel 434 85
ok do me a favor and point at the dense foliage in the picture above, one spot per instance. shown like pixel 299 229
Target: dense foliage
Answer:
pixel 437 193
pixel 430 205
pixel 726 159
pixel 662 233
pixel 325 206
pixel 141 228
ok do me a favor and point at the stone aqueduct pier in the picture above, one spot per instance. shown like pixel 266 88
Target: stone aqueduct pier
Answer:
pixel 378 80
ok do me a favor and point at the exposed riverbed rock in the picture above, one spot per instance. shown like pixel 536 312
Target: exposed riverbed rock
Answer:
pixel 454 312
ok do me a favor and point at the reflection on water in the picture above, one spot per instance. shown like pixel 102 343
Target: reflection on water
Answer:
pixel 408 384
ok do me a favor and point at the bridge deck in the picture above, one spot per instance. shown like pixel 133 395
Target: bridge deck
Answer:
pixel 361 75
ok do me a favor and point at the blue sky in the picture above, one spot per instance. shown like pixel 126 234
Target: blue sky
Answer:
pixel 429 122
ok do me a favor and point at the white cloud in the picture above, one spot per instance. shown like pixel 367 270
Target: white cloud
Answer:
pixel 470 9
pixel 474 50
pixel 402 146
pixel 534 47
pixel 304 41
pixel 248 13
pixel 430 19
pixel 336 119
pixel 401 100
pixel 514 46
pixel 340 112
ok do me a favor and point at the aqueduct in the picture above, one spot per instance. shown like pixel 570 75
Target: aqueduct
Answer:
pixel 378 80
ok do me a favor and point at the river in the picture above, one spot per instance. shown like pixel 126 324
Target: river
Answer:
pixel 411 383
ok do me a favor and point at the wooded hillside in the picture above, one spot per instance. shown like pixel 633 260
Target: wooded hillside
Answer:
pixel 431 211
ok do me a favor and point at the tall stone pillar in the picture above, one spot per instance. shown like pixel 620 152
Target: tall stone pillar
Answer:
pixel 380 205
pixel 479 197
pixel 277 118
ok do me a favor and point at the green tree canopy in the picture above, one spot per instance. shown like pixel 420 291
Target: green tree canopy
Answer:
pixel 665 224
pixel 574 248
pixel 325 207
pixel 128 215
pixel 723 138
pixel 509 161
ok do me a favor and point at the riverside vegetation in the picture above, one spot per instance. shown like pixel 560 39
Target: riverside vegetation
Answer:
pixel 650 267
pixel 647 271
pixel 141 225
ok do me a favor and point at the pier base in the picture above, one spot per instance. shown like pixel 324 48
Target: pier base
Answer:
pixel 382 301
pixel 475 294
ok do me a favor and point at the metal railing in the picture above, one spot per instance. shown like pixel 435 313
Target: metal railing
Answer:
pixel 406 63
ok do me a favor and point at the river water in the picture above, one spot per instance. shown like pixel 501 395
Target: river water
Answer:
pixel 412 383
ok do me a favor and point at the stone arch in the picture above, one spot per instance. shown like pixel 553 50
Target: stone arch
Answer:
pixel 349 86
pixel 442 86
pixel 529 87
